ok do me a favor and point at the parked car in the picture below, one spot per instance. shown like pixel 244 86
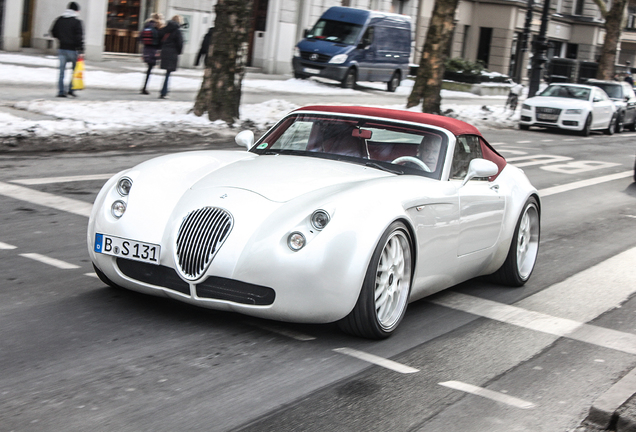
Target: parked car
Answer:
pixel 622 93
pixel 574 107
pixel 350 45
pixel 337 213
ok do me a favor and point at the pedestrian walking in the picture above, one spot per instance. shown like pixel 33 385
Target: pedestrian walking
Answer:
pixel 171 46
pixel 152 42
pixel 205 46
pixel 67 29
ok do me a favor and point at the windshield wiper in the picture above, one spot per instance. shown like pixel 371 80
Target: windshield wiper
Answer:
pixel 382 167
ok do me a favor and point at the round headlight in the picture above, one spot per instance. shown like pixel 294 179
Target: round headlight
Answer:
pixel 296 241
pixel 123 186
pixel 118 208
pixel 319 219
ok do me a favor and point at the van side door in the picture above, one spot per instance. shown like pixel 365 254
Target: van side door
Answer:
pixel 366 56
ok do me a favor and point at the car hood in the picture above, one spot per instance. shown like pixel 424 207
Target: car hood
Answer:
pixel 324 47
pixel 281 178
pixel 556 102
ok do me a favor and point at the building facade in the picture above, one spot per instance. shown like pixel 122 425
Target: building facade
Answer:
pixel 487 30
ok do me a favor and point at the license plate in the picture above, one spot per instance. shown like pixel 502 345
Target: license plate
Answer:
pixel 125 248
pixel 311 71
pixel 547 117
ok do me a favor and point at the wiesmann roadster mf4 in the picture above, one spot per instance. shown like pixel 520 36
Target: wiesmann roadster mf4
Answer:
pixel 336 214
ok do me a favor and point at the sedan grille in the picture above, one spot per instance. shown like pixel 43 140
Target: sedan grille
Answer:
pixel 201 235
pixel 546 110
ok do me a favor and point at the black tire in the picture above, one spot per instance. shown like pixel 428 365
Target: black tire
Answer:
pixel 632 127
pixel 612 127
pixel 349 81
pixel 587 127
pixel 100 274
pixel 620 126
pixel 394 82
pixel 524 127
pixel 298 75
pixel 389 274
pixel 524 248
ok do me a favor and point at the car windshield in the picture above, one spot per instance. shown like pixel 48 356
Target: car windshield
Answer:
pixel 571 92
pixel 613 91
pixel 335 31
pixel 381 144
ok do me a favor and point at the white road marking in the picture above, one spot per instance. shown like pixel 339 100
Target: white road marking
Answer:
pixel 489 394
pixel 583 183
pixel 618 394
pixel 7 246
pixel 536 160
pixel 91 275
pixel 376 360
pixel 46 199
pixel 50 261
pixel 65 179
pixel 537 321
pixel 523 142
pixel 547 140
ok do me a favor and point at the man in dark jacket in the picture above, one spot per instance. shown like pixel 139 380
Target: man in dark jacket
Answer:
pixel 205 47
pixel 67 29
pixel 171 47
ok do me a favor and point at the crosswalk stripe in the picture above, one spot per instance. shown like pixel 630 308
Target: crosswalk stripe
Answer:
pixel 46 199
pixel 537 321
pixel 7 246
pixel 63 179
pixel 584 183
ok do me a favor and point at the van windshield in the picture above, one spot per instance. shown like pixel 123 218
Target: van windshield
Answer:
pixel 335 31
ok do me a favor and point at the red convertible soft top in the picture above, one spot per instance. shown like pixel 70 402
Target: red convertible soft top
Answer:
pixel 457 127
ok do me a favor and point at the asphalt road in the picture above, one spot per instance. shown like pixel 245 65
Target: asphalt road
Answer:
pixel 76 355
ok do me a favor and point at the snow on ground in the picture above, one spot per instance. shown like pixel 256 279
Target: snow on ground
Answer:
pixel 75 117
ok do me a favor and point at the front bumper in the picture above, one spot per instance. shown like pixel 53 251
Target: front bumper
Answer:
pixel 324 70
pixel 574 122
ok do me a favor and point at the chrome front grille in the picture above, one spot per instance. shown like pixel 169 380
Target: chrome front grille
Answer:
pixel 201 235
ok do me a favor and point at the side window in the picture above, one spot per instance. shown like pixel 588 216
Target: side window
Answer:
pixel 467 148
pixel 367 38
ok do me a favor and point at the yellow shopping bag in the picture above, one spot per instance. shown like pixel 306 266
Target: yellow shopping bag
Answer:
pixel 78 74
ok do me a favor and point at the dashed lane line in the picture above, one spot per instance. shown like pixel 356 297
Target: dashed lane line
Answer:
pixel 50 261
pixel 489 394
pixel 7 246
pixel 377 360
pixel 64 179
pixel 46 199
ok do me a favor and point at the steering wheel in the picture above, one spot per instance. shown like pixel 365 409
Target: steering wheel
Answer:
pixel 416 161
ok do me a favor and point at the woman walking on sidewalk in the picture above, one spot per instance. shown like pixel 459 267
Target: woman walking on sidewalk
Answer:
pixel 171 46
pixel 152 42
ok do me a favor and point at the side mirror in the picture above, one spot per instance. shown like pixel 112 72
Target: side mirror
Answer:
pixel 245 139
pixel 480 168
pixel 305 33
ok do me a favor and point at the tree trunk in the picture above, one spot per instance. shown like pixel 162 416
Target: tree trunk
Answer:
pixel 220 92
pixel 430 73
pixel 613 27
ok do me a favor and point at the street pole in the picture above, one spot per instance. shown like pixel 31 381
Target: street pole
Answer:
pixel 521 56
pixel 540 48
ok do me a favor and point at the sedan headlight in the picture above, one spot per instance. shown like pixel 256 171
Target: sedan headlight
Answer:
pixel 526 107
pixel 338 59
pixel 573 111
pixel 123 186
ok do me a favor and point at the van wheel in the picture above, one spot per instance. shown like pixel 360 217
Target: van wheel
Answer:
pixel 298 75
pixel 394 82
pixel 349 81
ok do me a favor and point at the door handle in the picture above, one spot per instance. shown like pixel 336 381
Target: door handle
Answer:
pixel 494 188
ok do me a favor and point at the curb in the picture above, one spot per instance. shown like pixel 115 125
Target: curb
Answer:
pixel 616 407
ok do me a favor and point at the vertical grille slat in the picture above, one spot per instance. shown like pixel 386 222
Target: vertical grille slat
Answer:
pixel 200 236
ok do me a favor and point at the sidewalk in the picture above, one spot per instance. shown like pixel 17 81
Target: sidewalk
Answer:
pixel 111 102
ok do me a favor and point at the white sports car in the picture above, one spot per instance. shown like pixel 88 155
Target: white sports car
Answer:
pixel 335 214
pixel 574 107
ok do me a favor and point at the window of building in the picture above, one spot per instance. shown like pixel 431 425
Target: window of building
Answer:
pixel 465 41
pixel 485 39
pixel 572 51
pixel 578 7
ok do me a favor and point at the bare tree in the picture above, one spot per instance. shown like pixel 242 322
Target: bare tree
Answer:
pixel 220 92
pixel 613 26
pixel 430 73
